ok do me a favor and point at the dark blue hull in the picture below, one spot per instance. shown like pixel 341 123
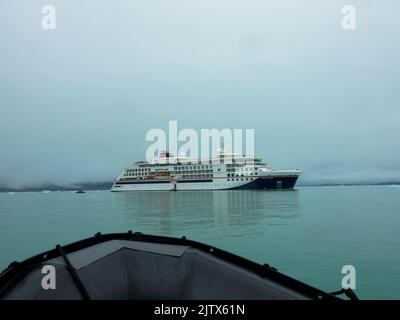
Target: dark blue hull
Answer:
pixel 269 183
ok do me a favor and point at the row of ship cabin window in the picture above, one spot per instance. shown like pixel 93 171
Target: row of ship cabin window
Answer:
pixel 198 167
pixel 239 175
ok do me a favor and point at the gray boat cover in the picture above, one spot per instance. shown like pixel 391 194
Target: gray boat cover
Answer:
pixel 122 269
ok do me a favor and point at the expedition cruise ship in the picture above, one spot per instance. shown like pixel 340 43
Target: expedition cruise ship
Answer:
pixel 227 171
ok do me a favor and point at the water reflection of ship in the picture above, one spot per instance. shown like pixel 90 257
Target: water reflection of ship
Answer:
pixel 183 211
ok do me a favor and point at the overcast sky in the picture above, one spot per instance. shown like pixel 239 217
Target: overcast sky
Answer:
pixel 76 102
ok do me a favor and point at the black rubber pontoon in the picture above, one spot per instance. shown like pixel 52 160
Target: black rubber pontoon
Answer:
pixel 137 266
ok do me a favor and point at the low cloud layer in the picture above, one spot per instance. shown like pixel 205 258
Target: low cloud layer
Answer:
pixel 76 102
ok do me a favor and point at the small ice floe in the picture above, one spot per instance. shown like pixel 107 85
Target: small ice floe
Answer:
pixel 395 186
pixel 10 193
pixel 45 191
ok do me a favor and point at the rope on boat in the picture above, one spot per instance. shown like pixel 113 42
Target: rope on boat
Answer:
pixel 74 275
pixel 348 293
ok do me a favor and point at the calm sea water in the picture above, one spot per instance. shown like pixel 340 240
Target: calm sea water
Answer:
pixel 308 233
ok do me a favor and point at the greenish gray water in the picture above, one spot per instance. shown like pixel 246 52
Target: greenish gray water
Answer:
pixel 308 233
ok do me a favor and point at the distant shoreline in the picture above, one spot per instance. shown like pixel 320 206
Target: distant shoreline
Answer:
pixel 107 186
pixel 52 187
pixel 348 184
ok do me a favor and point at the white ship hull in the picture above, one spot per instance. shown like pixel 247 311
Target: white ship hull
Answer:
pixel 274 180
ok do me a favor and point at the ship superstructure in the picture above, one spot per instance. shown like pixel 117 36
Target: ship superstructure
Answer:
pixel 228 171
